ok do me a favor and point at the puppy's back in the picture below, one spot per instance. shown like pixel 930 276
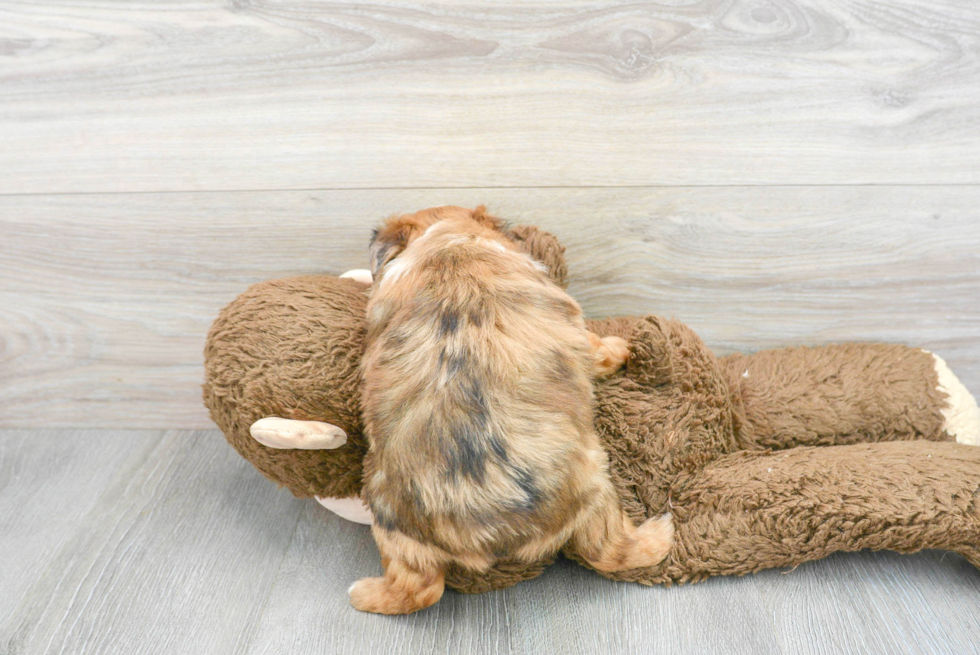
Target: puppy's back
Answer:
pixel 478 397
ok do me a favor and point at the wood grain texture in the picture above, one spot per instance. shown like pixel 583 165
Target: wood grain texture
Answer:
pixel 50 485
pixel 255 94
pixel 108 298
pixel 167 542
pixel 567 610
pixel 177 553
pixel 864 604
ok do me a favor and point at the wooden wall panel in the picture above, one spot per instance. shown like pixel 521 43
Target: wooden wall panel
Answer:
pixel 107 298
pixel 107 96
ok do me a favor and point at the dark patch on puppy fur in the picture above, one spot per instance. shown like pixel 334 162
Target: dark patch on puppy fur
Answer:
pixel 561 367
pixel 473 395
pixel 499 449
pixel 532 495
pixel 416 493
pixel 382 518
pixel 466 440
pixel 466 455
pixel 451 362
pixel 448 323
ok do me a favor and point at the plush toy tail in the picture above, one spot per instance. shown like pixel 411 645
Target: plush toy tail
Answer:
pixel 756 510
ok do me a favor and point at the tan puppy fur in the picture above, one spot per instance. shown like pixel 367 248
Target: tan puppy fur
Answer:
pixel 479 414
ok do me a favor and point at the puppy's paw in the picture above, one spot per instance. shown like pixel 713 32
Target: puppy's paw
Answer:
pixel 394 595
pixel 655 536
pixel 371 595
pixel 610 355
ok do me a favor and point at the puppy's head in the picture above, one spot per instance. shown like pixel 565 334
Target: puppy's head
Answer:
pixel 394 235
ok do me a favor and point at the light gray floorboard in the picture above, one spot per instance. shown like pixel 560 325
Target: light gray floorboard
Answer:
pixel 168 542
pixel 875 602
pixel 107 298
pixel 50 483
pixel 567 610
pixel 175 553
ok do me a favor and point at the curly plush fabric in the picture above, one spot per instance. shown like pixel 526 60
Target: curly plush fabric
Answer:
pixel 765 460
pixel 545 248
pixel 822 396
pixel 291 348
pixel 805 503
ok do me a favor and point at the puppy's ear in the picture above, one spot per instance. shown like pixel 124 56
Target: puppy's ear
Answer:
pixel 384 248
pixel 481 216
pixel 388 241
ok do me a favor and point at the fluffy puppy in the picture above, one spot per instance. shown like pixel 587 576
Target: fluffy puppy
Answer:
pixel 478 410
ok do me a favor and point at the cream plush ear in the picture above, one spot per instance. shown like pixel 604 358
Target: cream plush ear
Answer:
pixel 285 433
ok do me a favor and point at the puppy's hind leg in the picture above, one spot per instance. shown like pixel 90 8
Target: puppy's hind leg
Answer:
pixel 609 541
pixel 609 354
pixel 413 579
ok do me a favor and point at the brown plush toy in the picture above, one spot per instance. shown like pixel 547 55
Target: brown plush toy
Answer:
pixel 766 460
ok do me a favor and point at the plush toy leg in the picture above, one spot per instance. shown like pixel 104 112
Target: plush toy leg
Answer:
pixel 851 393
pixel 749 511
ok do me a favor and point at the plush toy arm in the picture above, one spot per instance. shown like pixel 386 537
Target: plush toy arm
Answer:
pixel 849 393
pixel 750 511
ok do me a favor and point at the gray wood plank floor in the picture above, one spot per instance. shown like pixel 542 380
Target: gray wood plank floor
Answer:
pixel 167 542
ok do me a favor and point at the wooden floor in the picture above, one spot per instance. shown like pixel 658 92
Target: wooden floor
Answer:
pixel 772 172
pixel 157 541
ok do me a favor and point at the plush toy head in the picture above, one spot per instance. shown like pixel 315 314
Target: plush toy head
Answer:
pixel 291 348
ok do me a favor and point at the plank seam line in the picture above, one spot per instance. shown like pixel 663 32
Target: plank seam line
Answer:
pixel 480 188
